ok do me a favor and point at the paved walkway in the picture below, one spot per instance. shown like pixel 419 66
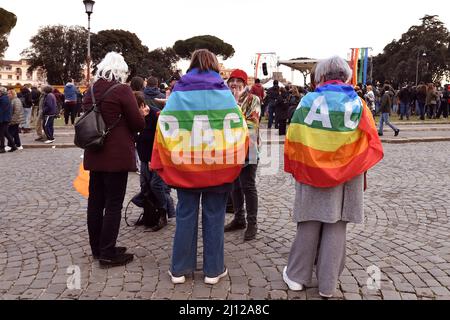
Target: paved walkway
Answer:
pixel 406 234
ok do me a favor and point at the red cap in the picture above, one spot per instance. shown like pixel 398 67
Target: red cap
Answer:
pixel 239 74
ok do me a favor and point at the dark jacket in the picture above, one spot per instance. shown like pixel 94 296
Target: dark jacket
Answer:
pixel 144 141
pixel 153 93
pixel 49 106
pixel 27 101
pixel 5 109
pixel 282 106
pixel 386 102
pixel 118 153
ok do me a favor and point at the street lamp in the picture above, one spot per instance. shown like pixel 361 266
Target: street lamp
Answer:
pixel 89 6
pixel 417 66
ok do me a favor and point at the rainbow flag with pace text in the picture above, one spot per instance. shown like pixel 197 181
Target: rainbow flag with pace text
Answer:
pixel 201 138
pixel 332 138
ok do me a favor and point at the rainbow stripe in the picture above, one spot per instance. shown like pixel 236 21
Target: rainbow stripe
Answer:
pixel 332 138
pixel 202 137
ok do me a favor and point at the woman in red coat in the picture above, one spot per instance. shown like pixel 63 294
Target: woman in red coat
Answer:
pixel 109 167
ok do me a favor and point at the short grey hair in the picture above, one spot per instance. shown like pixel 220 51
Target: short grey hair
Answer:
pixel 112 67
pixel 334 68
pixel 3 90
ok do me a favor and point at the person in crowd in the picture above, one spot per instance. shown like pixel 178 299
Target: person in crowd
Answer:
pixel 369 97
pixel 431 101
pixel 273 95
pixel 49 109
pixel 244 187
pixel 328 194
pixel 59 102
pixel 203 167
pixel 282 111
pixel 39 123
pixel 421 96
pixel 5 119
pixel 17 118
pixel 444 103
pixel 150 179
pixel 137 84
pixel 151 92
pixel 293 101
pixel 258 90
pixel 70 102
pixel 109 166
pixel 405 100
pixel 385 110
pixel 173 80
pixel 27 104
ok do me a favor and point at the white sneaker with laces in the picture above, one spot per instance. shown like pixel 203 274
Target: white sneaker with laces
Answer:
pixel 177 280
pixel 294 286
pixel 215 280
pixel 49 141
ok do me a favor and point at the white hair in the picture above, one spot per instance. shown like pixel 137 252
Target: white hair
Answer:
pixel 112 67
pixel 334 68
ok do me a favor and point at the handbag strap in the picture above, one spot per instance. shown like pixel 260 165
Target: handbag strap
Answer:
pixel 94 104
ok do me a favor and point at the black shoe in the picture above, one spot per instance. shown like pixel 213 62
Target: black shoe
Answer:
pixel 251 232
pixel 13 149
pixel 380 134
pixel 119 250
pixel 234 225
pixel 118 260
pixel 396 132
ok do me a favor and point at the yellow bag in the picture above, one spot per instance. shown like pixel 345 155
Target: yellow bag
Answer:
pixel 81 182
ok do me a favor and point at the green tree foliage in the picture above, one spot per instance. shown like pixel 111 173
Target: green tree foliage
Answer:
pixel 398 62
pixel 60 51
pixel 184 48
pixel 141 62
pixel 8 21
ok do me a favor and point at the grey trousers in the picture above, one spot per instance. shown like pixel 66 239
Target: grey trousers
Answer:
pixel 325 241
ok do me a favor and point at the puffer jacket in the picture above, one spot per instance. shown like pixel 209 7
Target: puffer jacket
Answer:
pixel 17 112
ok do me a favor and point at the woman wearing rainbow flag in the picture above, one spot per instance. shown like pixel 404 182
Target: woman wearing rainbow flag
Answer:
pixel 331 143
pixel 200 148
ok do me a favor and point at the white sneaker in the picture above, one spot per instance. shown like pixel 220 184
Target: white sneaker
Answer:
pixel 176 280
pixel 215 280
pixel 327 296
pixel 49 141
pixel 20 148
pixel 294 286
pixel 7 148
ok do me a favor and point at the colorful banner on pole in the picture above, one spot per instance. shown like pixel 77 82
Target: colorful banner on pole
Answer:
pixel 359 64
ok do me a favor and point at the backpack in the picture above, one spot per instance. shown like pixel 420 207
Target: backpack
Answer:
pixel 151 216
pixel 90 129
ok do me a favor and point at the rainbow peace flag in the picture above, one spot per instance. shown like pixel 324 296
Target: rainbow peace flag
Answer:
pixel 332 138
pixel 202 137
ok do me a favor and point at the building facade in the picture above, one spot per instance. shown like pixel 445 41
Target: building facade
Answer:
pixel 15 73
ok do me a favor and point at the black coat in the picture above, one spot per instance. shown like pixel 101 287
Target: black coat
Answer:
pixel 144 141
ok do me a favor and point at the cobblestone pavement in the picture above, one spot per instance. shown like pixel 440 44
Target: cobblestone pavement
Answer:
pixel 406 235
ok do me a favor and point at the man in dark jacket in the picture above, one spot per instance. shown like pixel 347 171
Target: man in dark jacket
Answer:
pixel 385 110
pixel 152 92
pixel 5 119
pixel 273 95
pixel 405 100
pixel 49 113
pixel 150 179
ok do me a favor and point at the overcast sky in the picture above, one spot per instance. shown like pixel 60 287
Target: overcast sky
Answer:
pixel 291 28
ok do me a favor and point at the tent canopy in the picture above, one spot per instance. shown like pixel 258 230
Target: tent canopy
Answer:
pixel 303 65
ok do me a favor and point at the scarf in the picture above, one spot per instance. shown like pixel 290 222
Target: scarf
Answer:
pixel 201 136
pixel 332 138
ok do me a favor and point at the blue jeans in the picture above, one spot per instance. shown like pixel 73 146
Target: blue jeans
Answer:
pixel 271 110
pixel 385 119
pixel 404 110
pixel 27 115
pixel 184 254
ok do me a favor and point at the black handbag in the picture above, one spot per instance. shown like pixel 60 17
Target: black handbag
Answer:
pixel 90 129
